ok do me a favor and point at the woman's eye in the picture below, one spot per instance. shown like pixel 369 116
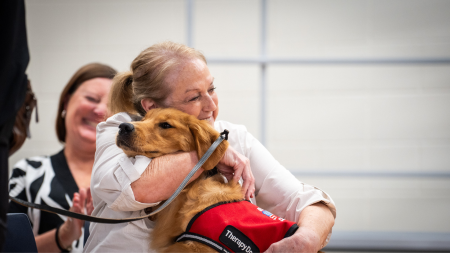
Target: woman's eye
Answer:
pixel 91 99
pixel 212 89
pixel 195 98
pixel 165 125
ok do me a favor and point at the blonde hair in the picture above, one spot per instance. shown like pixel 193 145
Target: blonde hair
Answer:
pixel 147 77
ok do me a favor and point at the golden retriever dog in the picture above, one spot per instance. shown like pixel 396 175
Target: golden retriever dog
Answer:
pixel 165 131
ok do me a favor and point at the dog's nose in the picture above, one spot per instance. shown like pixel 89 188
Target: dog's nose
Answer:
pixel 126 128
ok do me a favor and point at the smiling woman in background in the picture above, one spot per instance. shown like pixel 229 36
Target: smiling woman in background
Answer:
pixel 54 180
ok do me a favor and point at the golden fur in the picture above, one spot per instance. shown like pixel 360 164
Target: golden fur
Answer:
pixel 152 137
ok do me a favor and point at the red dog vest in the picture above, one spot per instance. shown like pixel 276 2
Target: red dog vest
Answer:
pixel 237 227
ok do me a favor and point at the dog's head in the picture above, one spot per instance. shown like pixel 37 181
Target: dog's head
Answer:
pixel 165 131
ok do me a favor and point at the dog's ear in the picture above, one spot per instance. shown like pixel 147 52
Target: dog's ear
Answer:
pixel 204 136
pixel 150 113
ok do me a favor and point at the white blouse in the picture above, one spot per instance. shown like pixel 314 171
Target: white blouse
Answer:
pixel 277 190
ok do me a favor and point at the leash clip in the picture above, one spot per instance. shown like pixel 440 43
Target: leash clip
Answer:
pixel 225 132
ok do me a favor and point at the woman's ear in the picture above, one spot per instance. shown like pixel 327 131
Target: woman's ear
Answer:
pixel 148 104
pixel 66 101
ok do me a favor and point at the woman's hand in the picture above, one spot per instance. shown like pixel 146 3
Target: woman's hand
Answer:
pixel 315 223
pixel 234 166
pixel 70 230
pixel 303 240
pixel 89 202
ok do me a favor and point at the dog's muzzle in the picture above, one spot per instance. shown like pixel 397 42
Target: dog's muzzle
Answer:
pixel 126 128
pixel 124 138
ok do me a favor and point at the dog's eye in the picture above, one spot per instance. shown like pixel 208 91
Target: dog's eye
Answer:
pixel 165 125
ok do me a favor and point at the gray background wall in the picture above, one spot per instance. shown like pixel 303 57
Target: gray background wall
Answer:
pixel 375 136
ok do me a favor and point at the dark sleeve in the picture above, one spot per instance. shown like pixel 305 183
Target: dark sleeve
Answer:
pixel 14 57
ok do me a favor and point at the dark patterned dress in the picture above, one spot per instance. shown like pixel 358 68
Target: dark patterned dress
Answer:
pixel 44 180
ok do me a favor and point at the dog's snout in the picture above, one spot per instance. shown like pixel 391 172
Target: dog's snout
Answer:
pixel 126 128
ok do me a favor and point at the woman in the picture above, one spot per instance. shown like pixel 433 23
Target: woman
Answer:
pixel 174 75
pixel 53 180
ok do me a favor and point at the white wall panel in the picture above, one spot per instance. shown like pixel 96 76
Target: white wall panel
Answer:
pixel 351 28
pixel 238 91
pixel 140 23
pixel 388 204
pixel 317 28
pixel 410 116
pixel 293 116
pixel 409 28
pixel 227 28
pixel 435 158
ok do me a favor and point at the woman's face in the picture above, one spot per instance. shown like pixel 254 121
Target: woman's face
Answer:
pixel 193 91
pixel 85 109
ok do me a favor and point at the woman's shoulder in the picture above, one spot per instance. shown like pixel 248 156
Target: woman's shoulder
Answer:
pixel 221 125
pixel 35 162
pixel 116 119
pixel 119 117
pixel 106 135
pixel 238 137
pixel 31 167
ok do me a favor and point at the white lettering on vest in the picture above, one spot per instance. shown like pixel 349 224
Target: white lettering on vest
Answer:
pixel 240 244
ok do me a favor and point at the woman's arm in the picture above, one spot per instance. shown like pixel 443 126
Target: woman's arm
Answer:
pixel 315 223
pixel 46 242
pixel 164 174
pixel 127 186
pixel 155 182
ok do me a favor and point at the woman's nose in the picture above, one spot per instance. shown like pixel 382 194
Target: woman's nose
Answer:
pixel 210 105
pixel 100 109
